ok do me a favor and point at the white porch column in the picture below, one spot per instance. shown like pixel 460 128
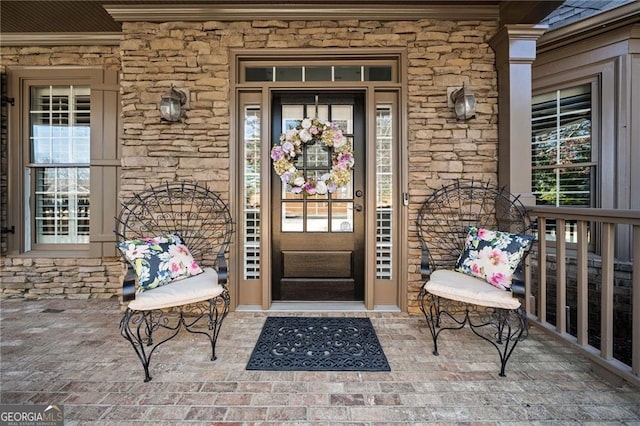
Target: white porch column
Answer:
pixel 515 48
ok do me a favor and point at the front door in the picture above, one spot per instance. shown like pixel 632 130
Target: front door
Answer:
pixel 318 240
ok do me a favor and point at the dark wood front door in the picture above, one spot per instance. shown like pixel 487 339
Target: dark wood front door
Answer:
pixel 318 240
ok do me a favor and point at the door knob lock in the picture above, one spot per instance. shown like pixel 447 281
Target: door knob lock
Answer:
pixel 358 207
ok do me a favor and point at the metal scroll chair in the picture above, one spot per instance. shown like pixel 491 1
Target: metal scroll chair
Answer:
pixel 198 303
pixel 451 299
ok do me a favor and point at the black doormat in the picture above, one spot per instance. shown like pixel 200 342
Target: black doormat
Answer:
pixel 318 344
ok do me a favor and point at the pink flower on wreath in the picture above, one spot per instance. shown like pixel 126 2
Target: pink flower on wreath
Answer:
pixel 291 134
pixel 288 148
pixel 338 139
pixel 345 160
pixel 277 152
pixel 285 177
pixel 309 188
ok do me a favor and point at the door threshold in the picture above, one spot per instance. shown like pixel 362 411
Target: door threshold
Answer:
pixel 318 307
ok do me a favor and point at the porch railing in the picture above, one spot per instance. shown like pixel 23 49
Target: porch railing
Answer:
pixel 591 263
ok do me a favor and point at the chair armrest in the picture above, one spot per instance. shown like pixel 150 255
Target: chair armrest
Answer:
pixel 425 270
pixel 223 270
pixel 129 285
pixel 517 283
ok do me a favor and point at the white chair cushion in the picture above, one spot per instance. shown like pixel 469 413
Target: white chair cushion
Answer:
pixel 464 288
pixel 200 287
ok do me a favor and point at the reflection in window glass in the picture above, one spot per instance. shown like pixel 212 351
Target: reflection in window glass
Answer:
pixel 318 155
pixel 258 74
pixel 62 205
pixel 347 73
pixel 291 114
pixel 289 74
pixel 563 168
pixel 292 216
pixel 342 217
pixel 318 111
pixel 383 73
pixel 59 123
pixel 252 192
pixel 317 74
pixel 344 192
pixel 342 116
pixel 317 217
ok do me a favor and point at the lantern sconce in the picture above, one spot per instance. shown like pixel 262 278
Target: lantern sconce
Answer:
pixel 463 101
pixel 173 104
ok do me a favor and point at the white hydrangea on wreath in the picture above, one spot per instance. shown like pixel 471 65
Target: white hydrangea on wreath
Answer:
pixel 307 131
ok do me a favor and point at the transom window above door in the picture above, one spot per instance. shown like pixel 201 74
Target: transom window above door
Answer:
pixel 318 71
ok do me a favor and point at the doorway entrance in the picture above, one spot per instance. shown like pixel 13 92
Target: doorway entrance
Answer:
pixel 318 241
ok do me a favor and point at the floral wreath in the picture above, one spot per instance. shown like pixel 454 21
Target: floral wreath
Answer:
pixel 309 131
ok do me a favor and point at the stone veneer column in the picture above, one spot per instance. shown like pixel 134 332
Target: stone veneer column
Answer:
pixel 515 48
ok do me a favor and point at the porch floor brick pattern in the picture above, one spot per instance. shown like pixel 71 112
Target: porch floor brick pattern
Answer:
pixel 70 352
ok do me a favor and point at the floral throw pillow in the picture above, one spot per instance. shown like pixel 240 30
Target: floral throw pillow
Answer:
pixel 493 255
pixel 159 260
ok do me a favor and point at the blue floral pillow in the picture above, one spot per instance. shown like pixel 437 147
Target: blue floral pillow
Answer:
pixel 159 260
pixel 493 255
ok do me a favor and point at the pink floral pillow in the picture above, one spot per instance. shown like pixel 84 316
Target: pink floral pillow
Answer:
pixel 159 260
pixel 493 255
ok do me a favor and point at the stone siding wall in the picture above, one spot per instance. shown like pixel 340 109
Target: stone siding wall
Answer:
pixel 195 56
pixel 54 277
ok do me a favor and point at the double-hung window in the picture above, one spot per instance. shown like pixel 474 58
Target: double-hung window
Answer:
pixel 564 166
pixel 57 176
pixel 64 160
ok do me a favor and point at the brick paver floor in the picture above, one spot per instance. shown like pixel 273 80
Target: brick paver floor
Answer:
pixel 70 352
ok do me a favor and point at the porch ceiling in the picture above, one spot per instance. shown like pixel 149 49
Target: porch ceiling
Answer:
pixel 89 16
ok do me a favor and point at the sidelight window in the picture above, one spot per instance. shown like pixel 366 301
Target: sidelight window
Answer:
pixel 252 192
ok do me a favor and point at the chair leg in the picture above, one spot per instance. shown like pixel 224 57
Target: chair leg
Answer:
pixel 214 312
pixel 431 315
pixel 217 312
pixel 510 326
pixel 456 315
pixel 138 328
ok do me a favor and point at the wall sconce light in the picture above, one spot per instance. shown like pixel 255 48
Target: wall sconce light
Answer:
pixel 463 102
pixel 172 105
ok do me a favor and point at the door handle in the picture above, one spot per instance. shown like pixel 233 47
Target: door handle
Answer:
pixel 358 207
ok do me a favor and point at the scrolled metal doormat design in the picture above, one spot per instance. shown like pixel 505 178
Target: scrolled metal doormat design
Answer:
pixel 318 344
